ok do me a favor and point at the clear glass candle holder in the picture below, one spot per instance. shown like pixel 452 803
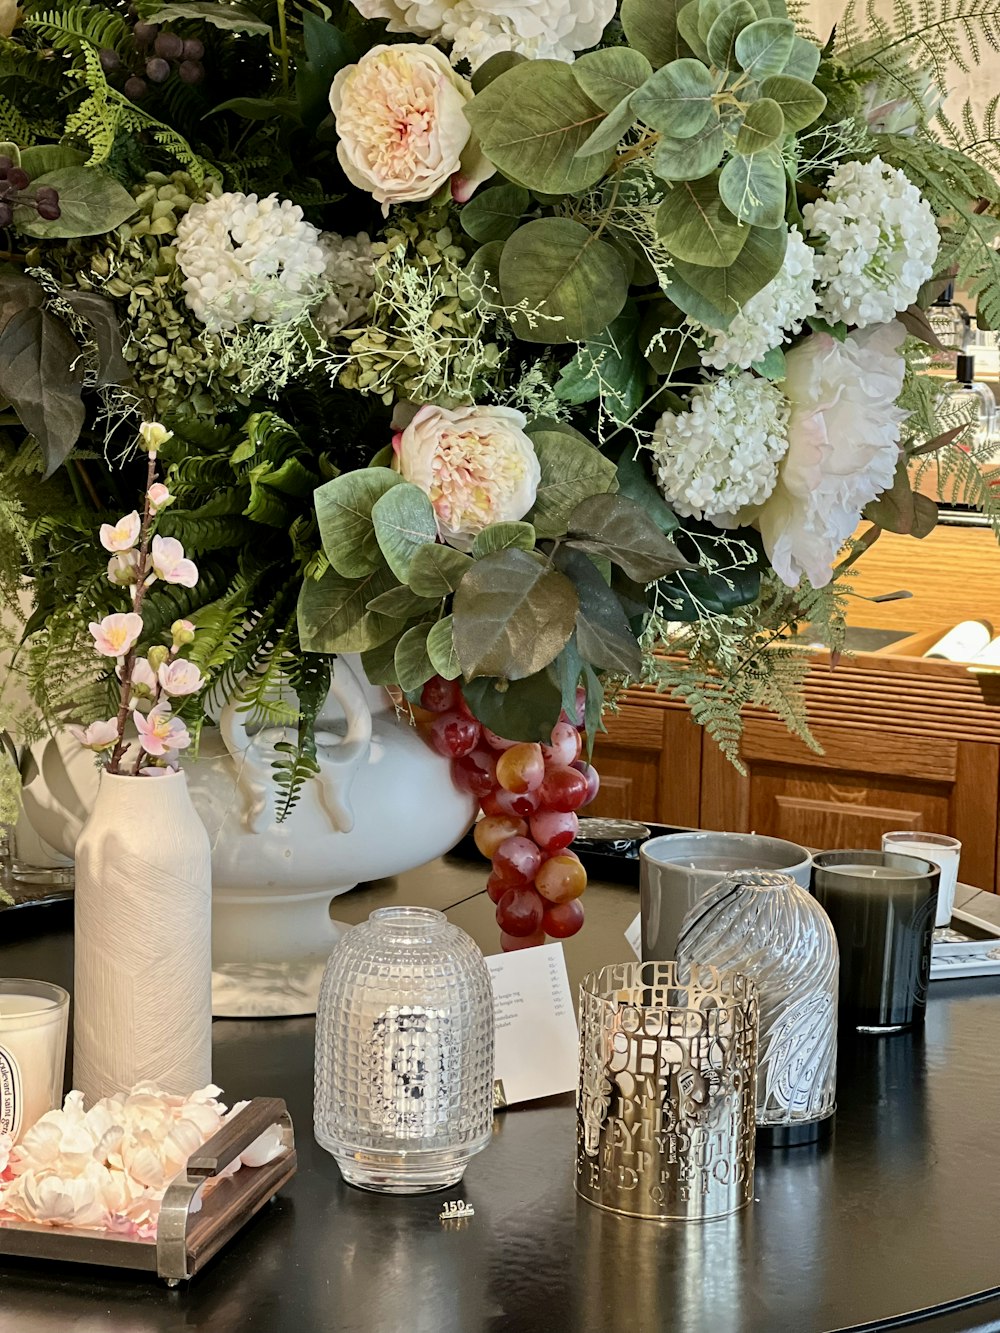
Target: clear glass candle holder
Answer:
pixel 34 1016
pixel 404 1053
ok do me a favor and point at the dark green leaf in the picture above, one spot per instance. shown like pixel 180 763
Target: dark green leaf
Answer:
pixel 651 27
pixel 721 40
pixel 90 201
pixel 503 536
pixel 403 604
pixel 615 527
pixel 513 615
pixel 492 69
pixel 532 120
pixel 773 366
pixel 441 649
pixel 411 660
pixel 695 225
pixel 494 214
pixel 344 510
pixel 612 365
pixel 714 296
pixel 328 51
pixel 754 188
pixel 42 378
pixel 603 637
pixel 333 615
pixel 801 103
pixel 254 108
pixel 763 125
pixel 765 47
pixel 571 470
pixel 677 99
pixel 526 710
pixel 99 312
pixel 220 13
pixel 635 484
pixel 379 663
pixel 615 125
pixel 404 521
pixel 436 571
pixel 611 75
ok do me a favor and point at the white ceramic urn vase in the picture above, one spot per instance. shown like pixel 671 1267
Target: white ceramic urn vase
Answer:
pixel 142 988
pixel 382 803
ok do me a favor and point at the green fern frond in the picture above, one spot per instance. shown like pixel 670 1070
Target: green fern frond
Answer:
pixel 976 134
pixel 940 36
pixel 298 763
pixel 67 28
pixel 13 126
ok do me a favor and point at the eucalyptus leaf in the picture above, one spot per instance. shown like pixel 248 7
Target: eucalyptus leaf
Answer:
pixel 436 571
pixel 344 512
pixel 713 296
pixel 755 188
pixel 708 12
pixel 772 366
pixel 573 282
pixel 402 603
pixel 763 125
pixel 379 662
pixel 480 280
pixel 571 469
pixel 804 60
pixel 603 636
pixel 523 710
pixel 333 613
pixel 609 76
pixel 503 536
pixel 651 27
pixel 765 46
pixel 495 66
pixel 90 201
pixel 721 40
pixel 220 13
pixel 411 659
pixel 687 28
pixel 695 225
pixel 41 376
pixel 801 102
pixel 494 214
pixel 615 527
pixel 531 121
pixel 404 521
pixel 513 615
pixel 688 159
pixel 441 649
pixel 677 99
pixel 612 129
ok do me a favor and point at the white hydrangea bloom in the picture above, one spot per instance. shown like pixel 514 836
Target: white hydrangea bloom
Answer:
pixel 478 29
pixel 723 453
pixel 878 243
pixel 350 275
pixel 249 259
pixel 771 317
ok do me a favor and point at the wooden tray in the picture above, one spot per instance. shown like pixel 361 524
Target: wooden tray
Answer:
pixel 185 1240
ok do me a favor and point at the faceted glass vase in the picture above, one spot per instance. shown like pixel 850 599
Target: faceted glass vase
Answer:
pixel 765 925
pixel 404 1053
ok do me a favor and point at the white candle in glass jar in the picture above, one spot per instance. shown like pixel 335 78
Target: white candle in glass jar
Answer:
pixel 937 848
pixel 33 1022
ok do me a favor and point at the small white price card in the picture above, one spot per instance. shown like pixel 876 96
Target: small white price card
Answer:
pixel 634 936
pixel 536 1036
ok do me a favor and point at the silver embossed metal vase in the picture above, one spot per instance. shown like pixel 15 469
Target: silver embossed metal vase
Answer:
pixel 763 924
pixel 404 1052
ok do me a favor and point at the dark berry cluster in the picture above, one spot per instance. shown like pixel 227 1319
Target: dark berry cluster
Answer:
pixel 157 55
pixel 15 188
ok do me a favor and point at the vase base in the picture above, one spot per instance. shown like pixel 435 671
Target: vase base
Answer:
pixel 399 1173
pixel 267 990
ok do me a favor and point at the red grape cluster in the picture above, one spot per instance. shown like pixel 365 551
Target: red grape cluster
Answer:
pixel 14 189
pixel 529 794
pixel 157 55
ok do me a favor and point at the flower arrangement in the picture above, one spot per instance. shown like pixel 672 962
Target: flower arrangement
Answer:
pixel 533 348
pixel 108 1167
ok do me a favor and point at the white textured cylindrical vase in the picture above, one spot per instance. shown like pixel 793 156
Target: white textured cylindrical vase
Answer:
pixel 143 984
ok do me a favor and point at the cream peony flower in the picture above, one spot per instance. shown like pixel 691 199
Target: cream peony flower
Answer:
pixel 843 446
pixel 475 463
pixel 400 115
pixel 478 29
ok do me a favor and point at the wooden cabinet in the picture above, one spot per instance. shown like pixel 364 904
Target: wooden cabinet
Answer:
pixel 906 743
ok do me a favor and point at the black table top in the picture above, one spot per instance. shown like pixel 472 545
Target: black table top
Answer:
pixel 894 1222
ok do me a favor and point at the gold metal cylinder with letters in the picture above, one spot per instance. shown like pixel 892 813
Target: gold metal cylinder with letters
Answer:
pixel 666 1100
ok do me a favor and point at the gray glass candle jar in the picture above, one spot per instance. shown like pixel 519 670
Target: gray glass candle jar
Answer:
pixel 882 905
pixel 404 1053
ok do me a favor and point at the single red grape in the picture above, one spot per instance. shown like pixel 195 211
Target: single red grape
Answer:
pixel 565 747
pixel 563 789
pixel 554 829
pixel 489 804
pixel 475 772
pixel 523 805
pixel 440 695
pixel 520 912
pixel 563 919
pixel 521 768
pixel 496 888
pixel 496 829
pixel 510 943
pixel 561 878
pixel 593 779
pixel 454 735
pixel 516 860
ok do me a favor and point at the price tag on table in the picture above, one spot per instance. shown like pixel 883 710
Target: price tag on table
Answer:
pixel 536 1036
pixel 634 936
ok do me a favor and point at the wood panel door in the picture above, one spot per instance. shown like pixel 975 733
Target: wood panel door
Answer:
pixel 866 782
pixel 650 766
